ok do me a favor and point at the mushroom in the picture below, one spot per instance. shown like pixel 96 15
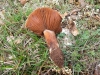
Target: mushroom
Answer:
pixel 47 22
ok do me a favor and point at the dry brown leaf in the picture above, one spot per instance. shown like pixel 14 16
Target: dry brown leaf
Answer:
pixel 1 22
pixel 18 41
pixel 23 1
pixel 71 1
pixel 97 70
pixel 74 17
pixel 82 3
pixel 97 17
pixel 63 15
pixel 75 32
pixel 72 27
pixel 2 17
pixel 74 12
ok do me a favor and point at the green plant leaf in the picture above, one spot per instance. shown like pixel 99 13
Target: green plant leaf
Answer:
pixel 86 35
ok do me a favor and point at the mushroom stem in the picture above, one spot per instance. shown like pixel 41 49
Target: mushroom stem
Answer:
pixel 55 53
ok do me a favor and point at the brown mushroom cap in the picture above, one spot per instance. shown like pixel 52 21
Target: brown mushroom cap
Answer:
pixel 44 18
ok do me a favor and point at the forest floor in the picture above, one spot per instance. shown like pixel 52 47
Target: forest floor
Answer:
pixel 24 53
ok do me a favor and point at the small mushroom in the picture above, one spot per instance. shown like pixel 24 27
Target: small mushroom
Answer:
pixel 47 22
